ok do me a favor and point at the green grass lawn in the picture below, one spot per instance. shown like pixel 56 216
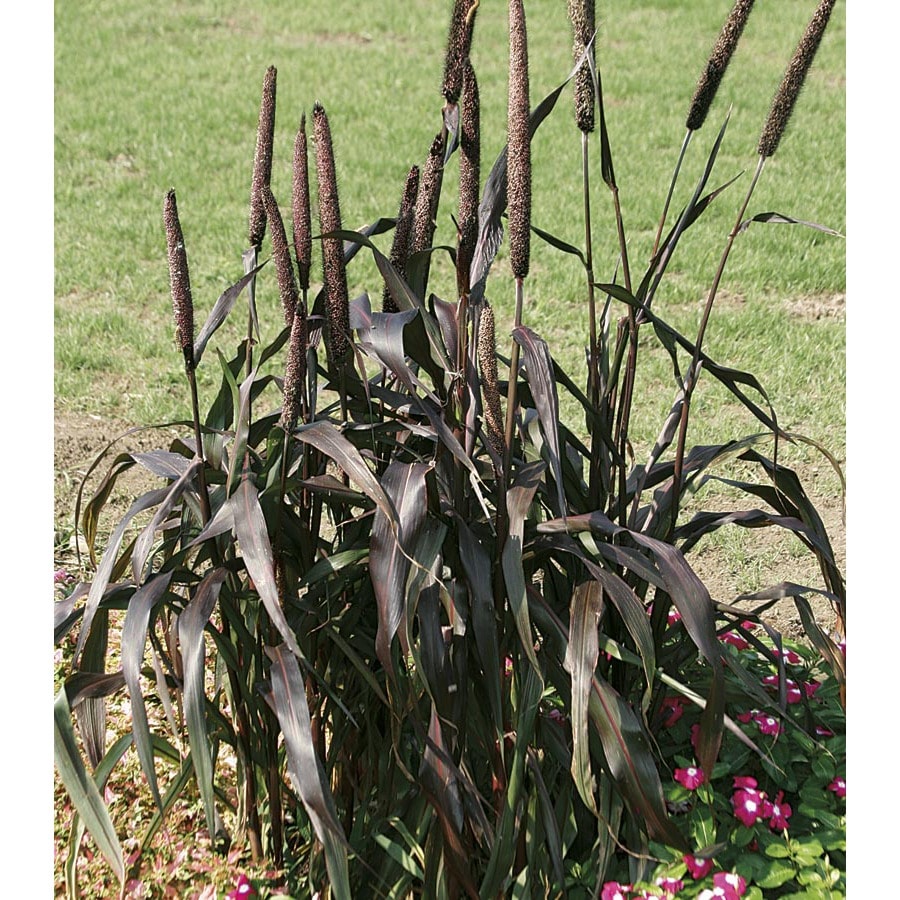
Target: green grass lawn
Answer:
pixel 156 96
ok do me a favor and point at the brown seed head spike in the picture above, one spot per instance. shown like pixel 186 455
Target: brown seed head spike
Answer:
pixel 469 177
pixel 182 303
pixel 519 149
pixel 459 42
pixel 337 302
pixel 295 371
pixel 711 77
pixel 402 234
pixel 300 207
pixel 425 217
pixel 786 97
pixel 284 270
pixel 581 13
pixel 262 160
pixel 487 361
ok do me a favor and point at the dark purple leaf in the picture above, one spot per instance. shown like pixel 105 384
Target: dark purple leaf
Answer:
pixel 391 545
pixel 220 311
pixel 304 766
pixel 251 530
pixel 134 639
pixel 191 625
pixel 539 372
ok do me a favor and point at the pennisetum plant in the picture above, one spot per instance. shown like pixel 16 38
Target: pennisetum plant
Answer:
pixel 436 654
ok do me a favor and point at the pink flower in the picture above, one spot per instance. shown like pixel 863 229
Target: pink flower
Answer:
pixel 675 710
pixel 507 666
pixel 778 813
pixel 691 777
pixel 730 637
pixel 60 575
pixel 810 687
pixel 243 889
pixel 767 724
pixel 747 716
pixel 789 656
pixel 824 732
pixel 612 890
pixel 732 885
pixel 699 868
pixel 674 616
pixel 839 786
pixel 748 805
pixel 670 886
pixel 744 781
pixel 557 716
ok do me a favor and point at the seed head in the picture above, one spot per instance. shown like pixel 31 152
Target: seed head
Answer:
pixel 581 12
pixel 425 216
pixel 295 370
pixel 786 97
pixel 182 303
pixel 284 270
pixel 710 78
pixel 262 160
pixel 337 301
pixel 459 42
pixel 469 177
pixel 519 148
pixel 402 234
pixel 487 361
pixel 300 207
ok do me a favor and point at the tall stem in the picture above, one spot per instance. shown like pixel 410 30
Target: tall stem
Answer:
pixel 692 374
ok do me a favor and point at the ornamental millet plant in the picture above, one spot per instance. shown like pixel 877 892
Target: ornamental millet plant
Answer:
pixel 440 664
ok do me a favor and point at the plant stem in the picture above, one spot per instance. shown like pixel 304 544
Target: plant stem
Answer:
pixel 693 374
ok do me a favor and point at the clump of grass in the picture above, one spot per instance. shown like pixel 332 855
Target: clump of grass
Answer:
pixel 401 600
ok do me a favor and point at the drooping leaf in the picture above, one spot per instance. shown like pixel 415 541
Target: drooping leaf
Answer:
pixel 134 638
pixel 220 311
pixel 582 653
pixel 518 500
pixel 390 547
pixel 328 440
pixel 191 625
pixel 631 762
pixel 102 576
pixel 251 530
pixel 144 540
pixel 304 766
pixel 539 372
pixel 82 788
pixel 781 219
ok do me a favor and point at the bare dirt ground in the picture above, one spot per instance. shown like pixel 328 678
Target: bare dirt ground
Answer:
pixel 752 559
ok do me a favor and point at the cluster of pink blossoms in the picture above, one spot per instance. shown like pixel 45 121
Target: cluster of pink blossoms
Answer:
pixel 794 691
pixel 726 885
pixel 752 805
